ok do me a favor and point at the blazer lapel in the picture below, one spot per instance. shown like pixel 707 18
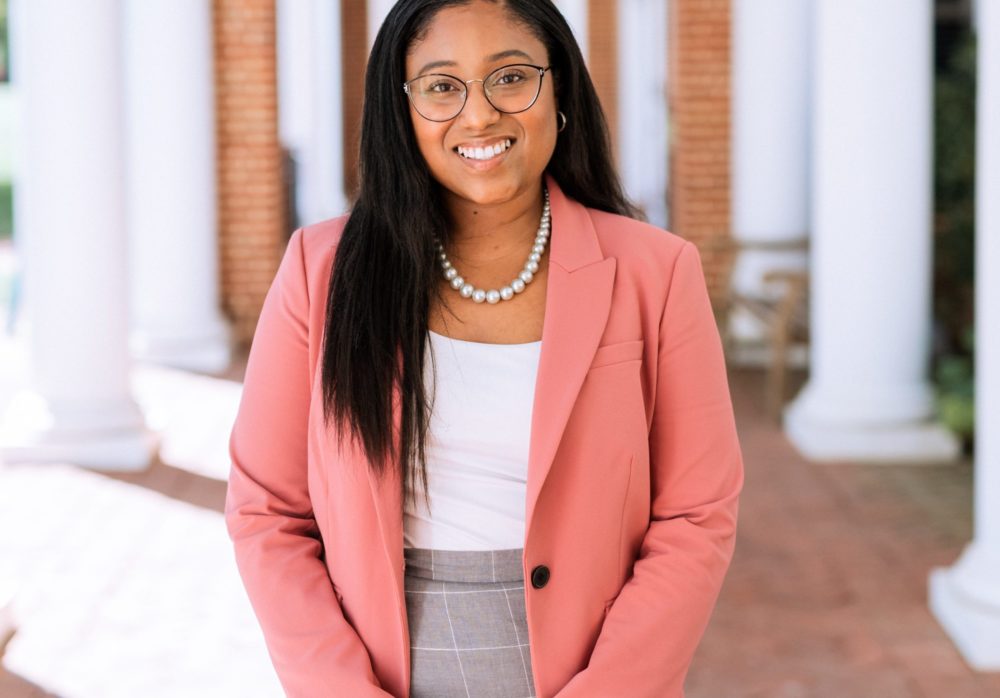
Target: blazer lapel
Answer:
pixel 577 303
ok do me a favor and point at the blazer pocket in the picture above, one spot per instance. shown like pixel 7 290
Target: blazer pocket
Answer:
pixel 619 352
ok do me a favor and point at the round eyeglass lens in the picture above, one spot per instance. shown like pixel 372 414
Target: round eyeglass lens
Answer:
pixel 513 88
pixel 437 97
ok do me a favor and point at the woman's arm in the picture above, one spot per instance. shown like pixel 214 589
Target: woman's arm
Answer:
pixel 696 473
pixel 268 513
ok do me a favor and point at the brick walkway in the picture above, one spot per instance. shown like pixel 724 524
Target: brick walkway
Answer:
pixel 827 594
pixel 129 588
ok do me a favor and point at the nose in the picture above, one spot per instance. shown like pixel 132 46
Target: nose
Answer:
pixel 478 112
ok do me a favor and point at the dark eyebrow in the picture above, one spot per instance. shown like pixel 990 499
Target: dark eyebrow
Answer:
pixel 489 59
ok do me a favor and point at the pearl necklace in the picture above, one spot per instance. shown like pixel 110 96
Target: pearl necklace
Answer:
pixel 467 290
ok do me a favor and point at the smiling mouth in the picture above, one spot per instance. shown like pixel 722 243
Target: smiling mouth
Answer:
pixel 483 154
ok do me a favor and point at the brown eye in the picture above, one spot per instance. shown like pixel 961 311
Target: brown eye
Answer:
pixel 509 78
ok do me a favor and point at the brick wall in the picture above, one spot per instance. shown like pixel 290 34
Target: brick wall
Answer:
pixel 602 60
pixel 699 104
pixel 252 213
pixel 354 52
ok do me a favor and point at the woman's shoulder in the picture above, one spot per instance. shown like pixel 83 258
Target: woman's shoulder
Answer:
pixel 635 243
pixel 319 244
pixel 321 237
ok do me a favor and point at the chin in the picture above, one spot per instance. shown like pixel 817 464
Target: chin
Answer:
pixel 487 193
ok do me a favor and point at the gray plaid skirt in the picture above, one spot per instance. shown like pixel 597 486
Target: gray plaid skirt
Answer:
pixel 468 628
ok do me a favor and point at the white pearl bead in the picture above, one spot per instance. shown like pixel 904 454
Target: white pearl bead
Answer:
pixel 517 285
pixel 450 273
pixel 531 266
pixel 493 296
pixel 466 291
pixel 534 257
pixel 526 276
pixel 442 256
pixel 506 293
pixel 446 264
pixel 457 282
pixel 479 295
pixel 538 248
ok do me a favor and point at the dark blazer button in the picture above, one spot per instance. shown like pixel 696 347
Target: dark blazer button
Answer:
pixel 539 576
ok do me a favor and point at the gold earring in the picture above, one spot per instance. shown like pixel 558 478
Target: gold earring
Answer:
pixel 564 120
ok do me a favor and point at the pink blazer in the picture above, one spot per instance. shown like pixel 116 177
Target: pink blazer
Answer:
pixel 634 474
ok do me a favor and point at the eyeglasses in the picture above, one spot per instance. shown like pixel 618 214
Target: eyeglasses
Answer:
pixel 510 89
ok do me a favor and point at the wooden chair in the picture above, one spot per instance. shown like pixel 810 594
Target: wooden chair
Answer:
pixel 786 316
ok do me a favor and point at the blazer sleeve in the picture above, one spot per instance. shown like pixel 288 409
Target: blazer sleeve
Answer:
pixel 268 513
pixel 656 622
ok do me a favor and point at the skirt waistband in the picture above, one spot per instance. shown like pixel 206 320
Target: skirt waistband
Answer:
pixel 465 565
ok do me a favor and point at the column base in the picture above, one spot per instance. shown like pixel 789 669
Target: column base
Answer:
pixel 965 600
pixel 911 442
pixel 100 436
pixel 204 352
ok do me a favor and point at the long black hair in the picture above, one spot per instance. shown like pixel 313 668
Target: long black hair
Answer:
pixel 385 268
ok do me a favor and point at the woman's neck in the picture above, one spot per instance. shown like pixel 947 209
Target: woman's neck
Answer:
pixel 484 235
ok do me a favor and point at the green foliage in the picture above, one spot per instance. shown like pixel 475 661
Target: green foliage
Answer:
pixel 955 388
pixel 6 205
pixel 954 238
pixel 4 44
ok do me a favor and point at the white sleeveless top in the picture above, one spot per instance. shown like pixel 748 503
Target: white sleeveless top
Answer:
pixel 477 446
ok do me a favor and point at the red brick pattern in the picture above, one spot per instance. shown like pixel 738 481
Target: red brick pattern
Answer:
pixel 699 97
pixel 252 213
pixel 354 52
pixel 602 59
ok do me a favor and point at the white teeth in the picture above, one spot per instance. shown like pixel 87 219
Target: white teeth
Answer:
pixel 484 153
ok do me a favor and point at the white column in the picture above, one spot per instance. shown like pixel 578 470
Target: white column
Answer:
pixel 78 407
pixel 377 11
pixel 770 152
pixel 172 214
pixel 310 104
pixel 965 597
pixel 575 12
pixel 642 94
pixel 18 209
pixel 868 395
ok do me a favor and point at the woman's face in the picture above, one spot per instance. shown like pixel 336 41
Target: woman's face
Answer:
pixel 469 38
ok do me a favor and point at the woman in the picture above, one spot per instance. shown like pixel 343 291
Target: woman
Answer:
pixel 491 296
